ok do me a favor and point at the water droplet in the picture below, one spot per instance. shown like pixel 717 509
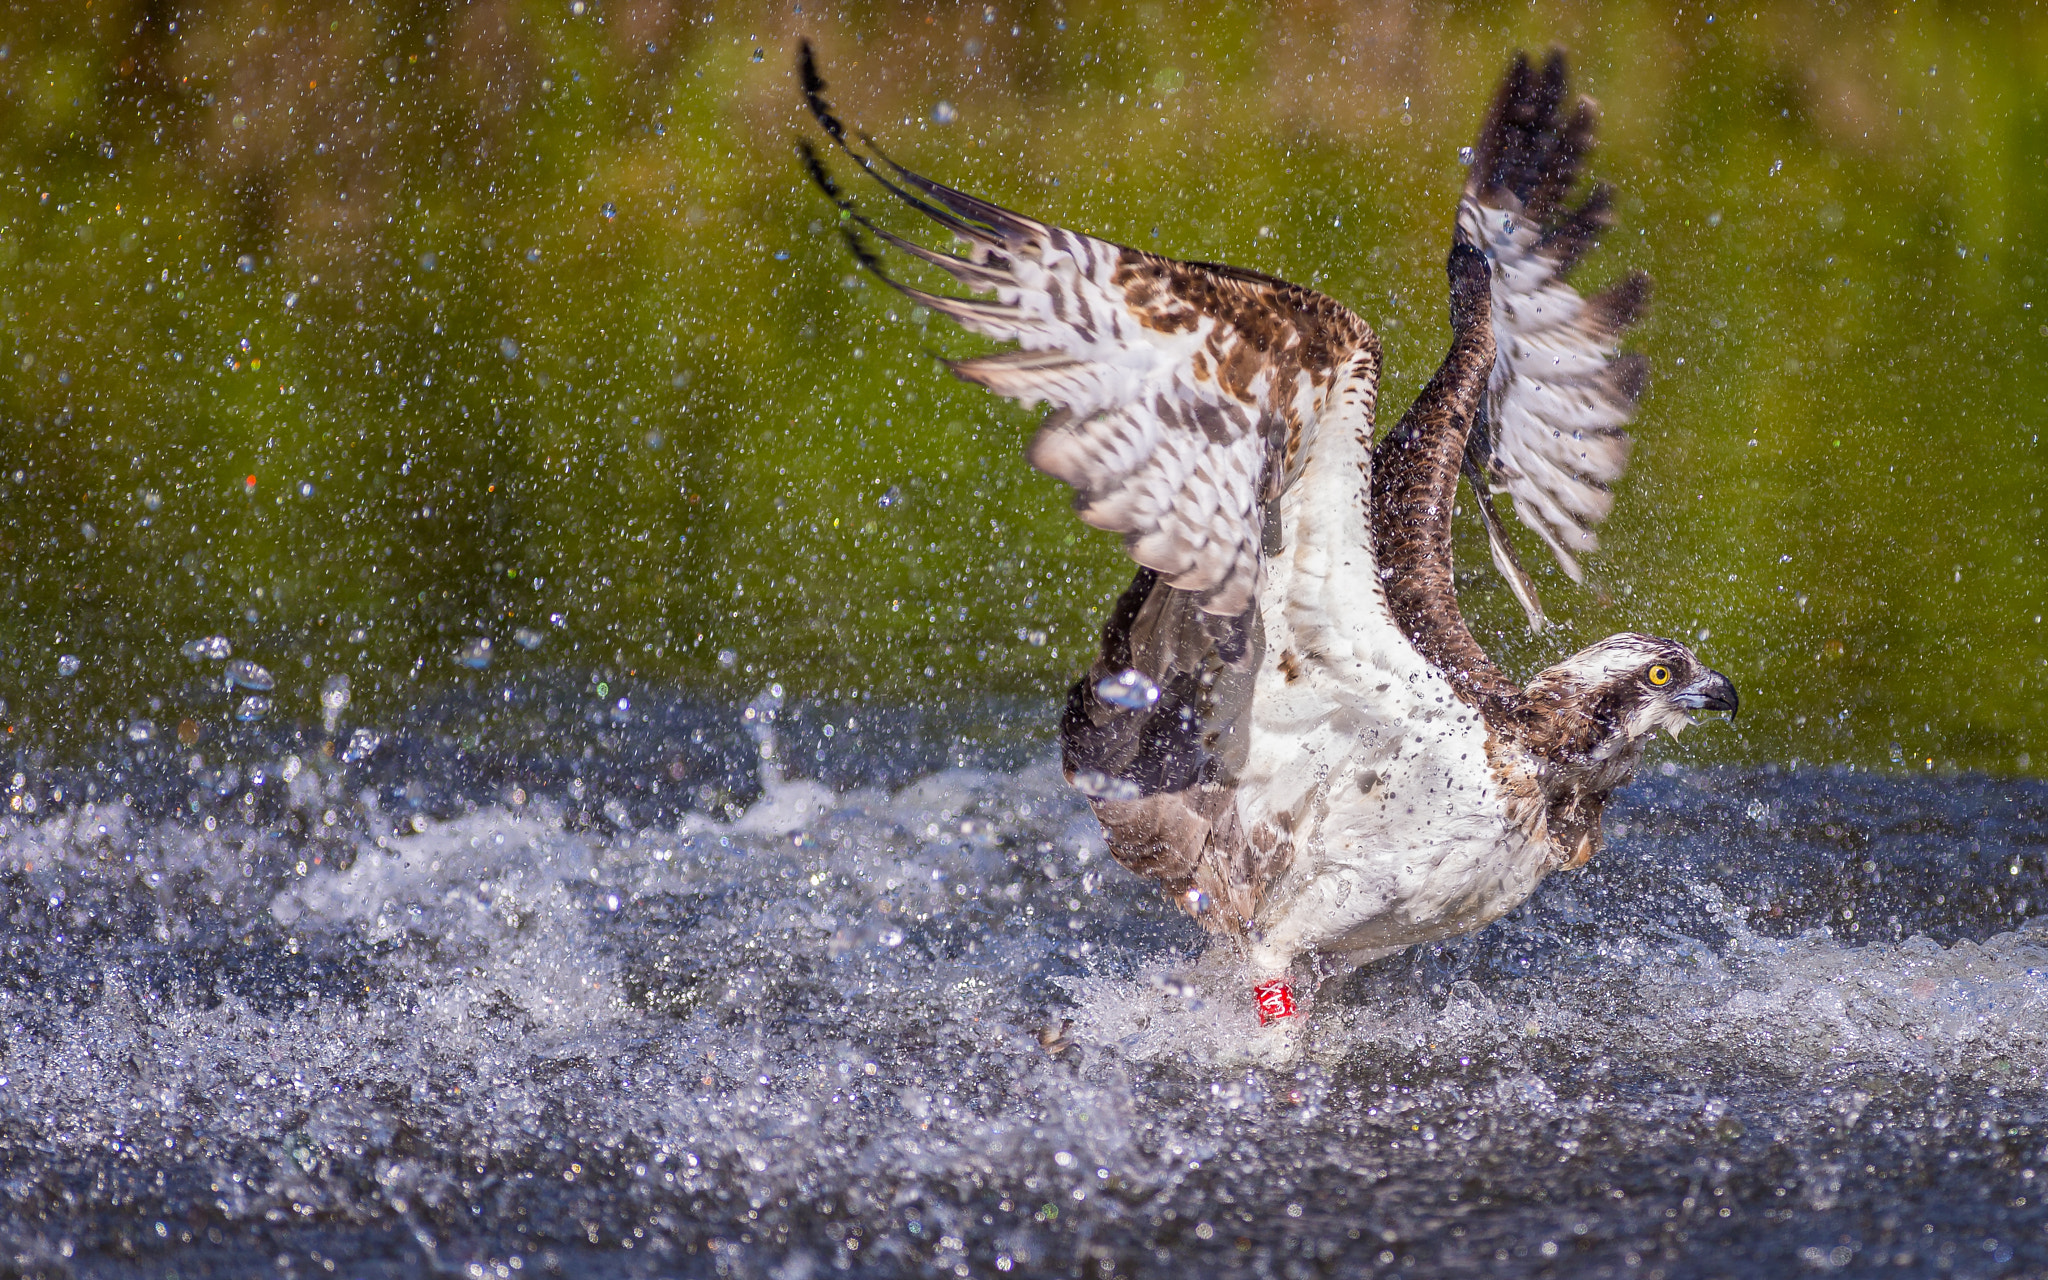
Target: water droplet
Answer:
pixel 333 699
pixel 1130 689
pixel 508 348
pixel 246 265
pixel 1898 753
pixel 252 708
pixel 141 731
pixel 533 255
pixel 528 638
pixel 890 937
pixel 215 648
pixel 726 658
pixel 1097 785
pixel 305 488
pixel 890 499
pixel 1465 156
pixel 758 55
pixel 622 711
pixel 475 653
pixel 151 500
pixel 250 676
pixel 611 210
pixel 428 261
pixel 361 745
pixel 944 113
pixel 68 664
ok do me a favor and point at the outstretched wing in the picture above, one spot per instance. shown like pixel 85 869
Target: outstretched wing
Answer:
pixel 1184 393
pixel 1553 427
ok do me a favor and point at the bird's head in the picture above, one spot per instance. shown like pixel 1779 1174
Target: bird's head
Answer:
pixel 1604 703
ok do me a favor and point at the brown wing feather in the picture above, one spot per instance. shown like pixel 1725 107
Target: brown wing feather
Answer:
pixel 1184 393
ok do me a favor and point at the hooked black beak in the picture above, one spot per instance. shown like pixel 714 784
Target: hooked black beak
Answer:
pixel 1711 692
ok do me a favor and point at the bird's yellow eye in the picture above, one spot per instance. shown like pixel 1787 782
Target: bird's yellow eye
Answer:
pixel 1660 675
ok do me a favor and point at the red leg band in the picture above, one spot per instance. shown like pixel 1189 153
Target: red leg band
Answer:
pixel 1274 1000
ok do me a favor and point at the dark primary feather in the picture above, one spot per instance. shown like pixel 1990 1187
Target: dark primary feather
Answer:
pixel 1528 146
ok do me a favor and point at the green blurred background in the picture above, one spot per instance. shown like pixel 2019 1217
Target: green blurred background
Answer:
pixel 352 333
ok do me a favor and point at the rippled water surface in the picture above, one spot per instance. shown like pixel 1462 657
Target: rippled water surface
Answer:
pixel 433 1009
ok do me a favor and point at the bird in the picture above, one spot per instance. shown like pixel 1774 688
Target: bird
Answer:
pixel 1290 727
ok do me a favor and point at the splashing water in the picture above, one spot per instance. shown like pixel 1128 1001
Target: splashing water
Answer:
pixel 246 674
pixel 386 1008
pixel 334 699
pixel 208 648
pixel 1131 689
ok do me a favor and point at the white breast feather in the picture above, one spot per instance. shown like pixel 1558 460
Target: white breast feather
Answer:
pixel 1416 853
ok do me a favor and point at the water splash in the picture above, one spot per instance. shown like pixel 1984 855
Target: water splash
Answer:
pixel 242 673
pixel 1130 689
pixel 920 1005
pixel 334 698
pixel 207 648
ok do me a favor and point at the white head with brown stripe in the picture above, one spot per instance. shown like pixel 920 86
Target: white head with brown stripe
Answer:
pixel 1593 715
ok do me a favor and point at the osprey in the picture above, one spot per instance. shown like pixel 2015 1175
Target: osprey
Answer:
pixel 1290 726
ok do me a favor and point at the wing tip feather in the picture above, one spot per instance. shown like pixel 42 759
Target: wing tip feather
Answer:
pixel 1620 304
